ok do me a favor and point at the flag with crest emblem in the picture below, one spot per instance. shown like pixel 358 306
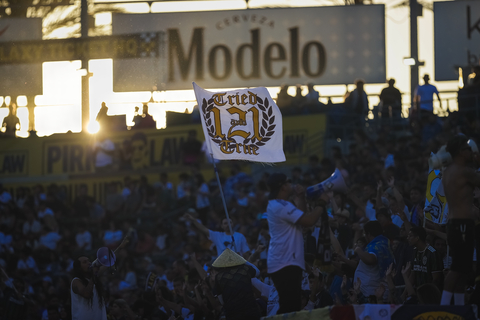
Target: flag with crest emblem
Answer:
pixel 243 124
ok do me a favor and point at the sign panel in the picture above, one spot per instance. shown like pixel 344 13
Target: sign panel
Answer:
pixel 13 163
pixel 20 79
pixel 457 37
pixel 73 155
pixel 256 47
pixel 106 47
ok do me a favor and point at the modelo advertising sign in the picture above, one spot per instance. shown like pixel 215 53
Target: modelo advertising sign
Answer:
pixel 457 37
pixel 264 47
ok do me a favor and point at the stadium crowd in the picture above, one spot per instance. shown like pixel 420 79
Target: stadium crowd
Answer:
pixel 169 267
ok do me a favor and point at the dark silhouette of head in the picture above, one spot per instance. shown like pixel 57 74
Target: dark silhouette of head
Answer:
pixel 456 144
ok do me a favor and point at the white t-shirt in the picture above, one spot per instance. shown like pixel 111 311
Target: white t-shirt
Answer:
pixel 305 281
pixel 50 240
pixel 84 238
pixel 110 237
pixel 286 243
pixel 81 310
pixel 182 190
pixel 202 200
pixel 27 264
pixel 369 276
pixel 6 241
pixel 269 292
pixel 370 211
pixel 131 279
pixel 102 158
pixel 222 241
pixel 161 242
pixel 34 227
pixel 45 212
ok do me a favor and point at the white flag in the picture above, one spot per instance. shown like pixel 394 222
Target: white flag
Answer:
pixel 243 124
pixel 436 206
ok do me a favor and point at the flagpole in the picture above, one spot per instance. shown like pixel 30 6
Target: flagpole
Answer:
pixel 224 202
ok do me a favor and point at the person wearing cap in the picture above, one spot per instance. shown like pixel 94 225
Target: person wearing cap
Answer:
pixel 233 282
pixel 222 240
pixel 286 250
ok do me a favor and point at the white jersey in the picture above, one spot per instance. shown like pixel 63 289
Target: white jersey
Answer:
pixel 269 292
pixel 286 243
pixel 223 241
pixel 81 310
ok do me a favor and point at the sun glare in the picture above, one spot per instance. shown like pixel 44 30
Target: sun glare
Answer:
pixel 93 127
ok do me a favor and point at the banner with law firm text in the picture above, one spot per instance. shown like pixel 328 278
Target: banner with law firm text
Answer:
pixel 253 120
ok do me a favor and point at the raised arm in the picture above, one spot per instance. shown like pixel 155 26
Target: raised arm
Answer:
pixel 336 245
pixel 197 224
pixel 398 196
pixel 389 275
pixel 367 258
pixel 254 257
pixel 379 203
pixel 331 196
pixel 406 277
pixel 79 288
pixel 201 272
pixel 361 205
pixel 310 218
pixel 102 269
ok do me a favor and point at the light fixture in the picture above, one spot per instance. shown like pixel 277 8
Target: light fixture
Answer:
pixel 82 72
pixel 460 78
pixel 409 61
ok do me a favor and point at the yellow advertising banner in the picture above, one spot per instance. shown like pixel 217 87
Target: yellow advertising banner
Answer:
pixel 69 159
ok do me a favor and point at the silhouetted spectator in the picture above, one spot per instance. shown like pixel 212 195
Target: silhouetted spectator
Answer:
pixel 391 101
pixel 284 100
pixel 145 120
pixel 11 123
pixel 357 102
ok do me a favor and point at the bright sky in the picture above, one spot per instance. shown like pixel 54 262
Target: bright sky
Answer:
pixel 61 99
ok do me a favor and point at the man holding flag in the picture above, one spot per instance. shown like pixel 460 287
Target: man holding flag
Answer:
pixel 243 124
pixel 459 180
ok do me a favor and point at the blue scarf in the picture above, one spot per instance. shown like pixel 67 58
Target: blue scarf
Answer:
pixel 381 246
